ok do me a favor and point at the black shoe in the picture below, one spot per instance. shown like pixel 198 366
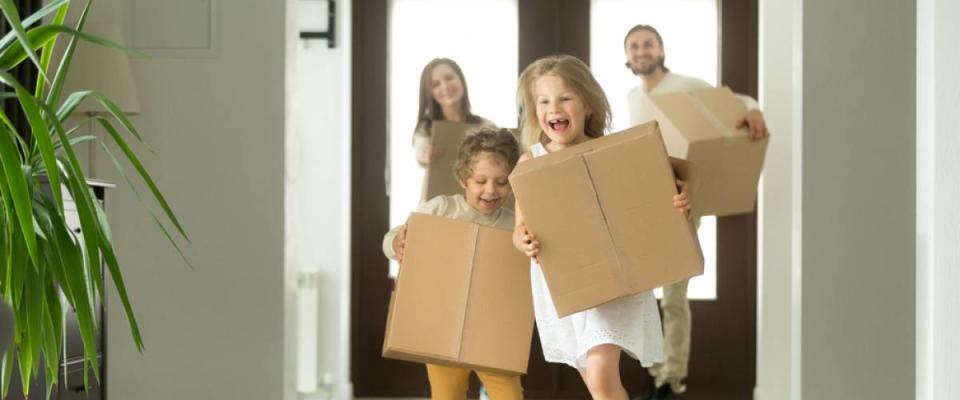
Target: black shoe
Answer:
pixel 664 392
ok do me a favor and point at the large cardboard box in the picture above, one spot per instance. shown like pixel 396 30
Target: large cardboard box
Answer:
pixel 462 298
pixel 603 213
pixel 440 178
pixel 701 126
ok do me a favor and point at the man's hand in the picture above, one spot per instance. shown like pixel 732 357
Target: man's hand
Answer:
pixel 756 125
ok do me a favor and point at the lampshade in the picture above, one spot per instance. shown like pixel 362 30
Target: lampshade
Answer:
pixel 103 69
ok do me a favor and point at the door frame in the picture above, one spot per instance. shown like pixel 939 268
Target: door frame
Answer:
pixel 711 376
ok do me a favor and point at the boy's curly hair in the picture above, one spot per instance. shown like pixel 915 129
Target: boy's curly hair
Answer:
pixel 501 142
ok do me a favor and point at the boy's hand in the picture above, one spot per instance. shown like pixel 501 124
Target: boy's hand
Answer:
pixel 757 126
pixel 528 244
pixel 398 242
pixel 681 201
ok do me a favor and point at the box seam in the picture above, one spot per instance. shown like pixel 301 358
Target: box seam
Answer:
pixel 473 264
pixel 606 222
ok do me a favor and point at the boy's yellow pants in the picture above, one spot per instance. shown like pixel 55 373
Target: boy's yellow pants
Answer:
pixel 450 383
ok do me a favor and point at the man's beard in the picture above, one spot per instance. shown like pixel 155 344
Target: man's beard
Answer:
pixel 650 69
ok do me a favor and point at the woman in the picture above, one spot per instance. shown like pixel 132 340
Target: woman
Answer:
pixel 443 97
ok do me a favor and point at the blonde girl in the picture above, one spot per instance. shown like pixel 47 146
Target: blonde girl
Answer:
pixel 563 105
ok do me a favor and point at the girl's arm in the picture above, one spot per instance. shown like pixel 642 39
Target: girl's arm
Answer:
pixel 523 240
pixel 687 183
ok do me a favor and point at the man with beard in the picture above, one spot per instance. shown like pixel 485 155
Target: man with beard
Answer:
pixel 643 47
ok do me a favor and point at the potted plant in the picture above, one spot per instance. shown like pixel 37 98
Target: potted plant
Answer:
pixel 41 259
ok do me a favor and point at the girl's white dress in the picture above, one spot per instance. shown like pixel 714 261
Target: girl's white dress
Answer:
pixel 632 323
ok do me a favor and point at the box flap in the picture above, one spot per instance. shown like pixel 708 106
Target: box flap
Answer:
pixel 605 219
pixel 498 329
pixel 702 129
pixel 431 293
pixel 653 240
pixel 729 172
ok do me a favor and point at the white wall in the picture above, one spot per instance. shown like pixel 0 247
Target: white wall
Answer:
pixel 858 203
pixel 938 192
pixel 217 126
pixel 779 267
pixel 836 285
pixel 318 200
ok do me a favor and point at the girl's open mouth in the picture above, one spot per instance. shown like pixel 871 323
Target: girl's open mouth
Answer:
pixel 558 125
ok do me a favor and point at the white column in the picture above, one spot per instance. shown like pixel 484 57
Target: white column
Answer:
pixel 778 327
pixel 858 201
pixel 938 192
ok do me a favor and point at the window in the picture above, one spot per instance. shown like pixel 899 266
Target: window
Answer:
pixel 481 36
pixel 689 30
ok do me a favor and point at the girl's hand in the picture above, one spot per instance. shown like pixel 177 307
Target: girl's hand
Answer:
pixel 756 125
pixel 527 243
pixel 398 243
pixel 681 201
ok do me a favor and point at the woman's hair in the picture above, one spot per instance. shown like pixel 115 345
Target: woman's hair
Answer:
pixel 429 109
pixel 576 76
pixel 648 28
pixel 485 140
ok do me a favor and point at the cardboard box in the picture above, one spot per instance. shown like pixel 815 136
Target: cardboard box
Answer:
pixel 462 298
pixel 440 178
pixel 700 126
pixel 603 213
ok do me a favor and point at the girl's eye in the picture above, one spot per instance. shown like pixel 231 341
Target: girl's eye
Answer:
pixel 503 183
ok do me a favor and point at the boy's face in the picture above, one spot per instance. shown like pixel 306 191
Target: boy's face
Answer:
pixel 560 110
pixel 487 187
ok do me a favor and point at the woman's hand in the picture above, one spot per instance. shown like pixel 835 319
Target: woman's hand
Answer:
pixel 429 154
pixel 398 243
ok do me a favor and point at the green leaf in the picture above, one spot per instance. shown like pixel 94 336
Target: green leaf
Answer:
pixel 53 96
pixel 47 55
pixel 14 55
pixel 76 98
pixel 13 17
pixel 18 191
pixel 41 134
pixel 43 36
pixel 6 369
pixel 32 19
pixel 122 144
pixel 33 305
pixel 139 197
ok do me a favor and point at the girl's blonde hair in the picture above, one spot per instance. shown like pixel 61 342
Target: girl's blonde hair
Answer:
pixel 576 75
